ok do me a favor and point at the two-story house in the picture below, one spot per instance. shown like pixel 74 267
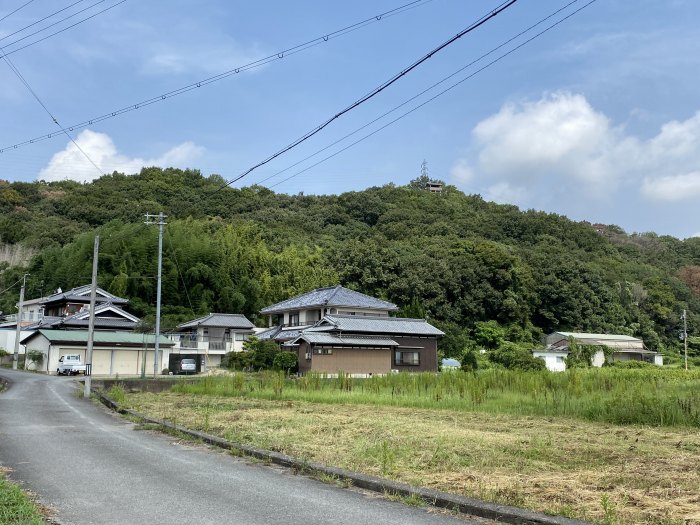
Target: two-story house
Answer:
pixel 363 346
pixel 68 311
pixel 288 318
pixel 334 328
pixel 208 338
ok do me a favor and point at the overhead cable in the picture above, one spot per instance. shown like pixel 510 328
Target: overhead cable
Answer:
pixel 418 95
pixel 250 65
pixel 13 12
pixel 375 91
pixel 60 30
pixel 40 21
pixel 53 118
pixel 450 88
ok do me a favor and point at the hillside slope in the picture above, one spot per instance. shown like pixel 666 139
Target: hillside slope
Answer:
pixel 452 257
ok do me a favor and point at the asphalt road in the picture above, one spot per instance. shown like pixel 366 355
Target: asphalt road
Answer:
pixel 93 467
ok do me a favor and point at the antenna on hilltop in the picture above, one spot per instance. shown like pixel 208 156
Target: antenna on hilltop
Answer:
pixel 424 169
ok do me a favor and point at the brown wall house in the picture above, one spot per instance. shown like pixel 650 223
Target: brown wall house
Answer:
pixel 407 361
pixel 367 346
pixel 330 360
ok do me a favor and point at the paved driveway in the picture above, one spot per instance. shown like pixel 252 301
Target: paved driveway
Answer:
pixel 94 468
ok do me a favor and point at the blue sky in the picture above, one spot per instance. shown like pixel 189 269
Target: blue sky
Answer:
pixel 596 119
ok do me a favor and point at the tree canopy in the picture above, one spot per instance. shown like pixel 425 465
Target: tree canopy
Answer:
pixel 484 273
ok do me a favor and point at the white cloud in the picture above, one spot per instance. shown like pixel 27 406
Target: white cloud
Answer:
pixel 561 147
pixel 461 172
pixel 70 163
pixel 673 188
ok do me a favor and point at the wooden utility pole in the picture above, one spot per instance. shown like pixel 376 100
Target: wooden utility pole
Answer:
pixel 18 332
pixel 91 323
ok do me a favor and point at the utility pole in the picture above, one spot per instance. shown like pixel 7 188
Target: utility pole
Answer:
pixel 91 323
pixel 160 224
pixel 685 337
pixel 15 355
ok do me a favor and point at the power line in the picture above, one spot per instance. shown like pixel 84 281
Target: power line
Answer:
pixel 59 31
pixel 26 84
pixel 250 65
pixel 411 99
pixel 13 12
pixel 451 87
pixel 10 287
pixel 375 91
pixel 41 20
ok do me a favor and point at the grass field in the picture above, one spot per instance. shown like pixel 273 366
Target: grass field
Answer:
pixel 15 506
pixel 656 397
pixel 497 447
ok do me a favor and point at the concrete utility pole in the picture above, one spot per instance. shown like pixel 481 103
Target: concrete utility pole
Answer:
pixel 685 338
pixel 160 224
pixel 91 323
pixel 15 355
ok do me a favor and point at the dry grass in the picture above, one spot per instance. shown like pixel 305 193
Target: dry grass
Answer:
pixel 615 475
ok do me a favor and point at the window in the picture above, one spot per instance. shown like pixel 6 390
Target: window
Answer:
pixel 313 315
pixel 293 319
pixel 241 337
pixel 407 358
pixel 323 351
pixel 308 356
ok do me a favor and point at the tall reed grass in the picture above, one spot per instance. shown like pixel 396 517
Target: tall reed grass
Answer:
pixel 656 397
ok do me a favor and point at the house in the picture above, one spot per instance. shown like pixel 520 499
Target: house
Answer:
pixel 208 338
pixel 117 352
pixel 68 311
pixel 434 186
pixel 64 304
pixel 620 347
pixel 288 318
pixel 366 345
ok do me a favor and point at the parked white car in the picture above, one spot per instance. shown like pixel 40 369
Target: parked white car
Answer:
pixel 187 366
pixel 70 364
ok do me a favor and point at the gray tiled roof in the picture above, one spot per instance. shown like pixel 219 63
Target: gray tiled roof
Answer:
pixel 75 321
pixel 82 293
pixel 343 340
pixel 219 321
pixel 278 333
pixel 330 296
pixel 375 325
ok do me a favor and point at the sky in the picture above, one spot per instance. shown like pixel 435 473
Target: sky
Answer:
pixel 597 119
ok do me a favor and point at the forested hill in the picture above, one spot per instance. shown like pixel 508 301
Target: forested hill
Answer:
pixel 454 258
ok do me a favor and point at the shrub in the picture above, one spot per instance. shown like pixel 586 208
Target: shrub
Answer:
pixel 237 360
pixel 470 361
pixel 285 361
pixel 35 356
pixel 514 357
pixel 632 364
pixel 262 353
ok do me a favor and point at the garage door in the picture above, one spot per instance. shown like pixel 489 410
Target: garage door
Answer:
pixel 126 362
pixel 100 361
pixel 149 362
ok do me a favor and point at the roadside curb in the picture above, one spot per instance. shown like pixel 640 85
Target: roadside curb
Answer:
pixel 494 511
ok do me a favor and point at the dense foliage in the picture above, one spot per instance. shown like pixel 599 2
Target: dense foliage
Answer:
pixel 486 274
